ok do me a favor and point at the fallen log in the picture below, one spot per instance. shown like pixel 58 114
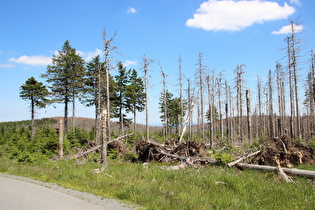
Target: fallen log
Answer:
pixel 298 172
pixel 243 158
pixel 83 153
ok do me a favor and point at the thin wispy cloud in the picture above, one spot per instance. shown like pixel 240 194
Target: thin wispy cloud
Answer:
pixel 288 29
pixel 130 63
pixel 35 60
pixel 228 15
pixel 87 56
pixel 131 10
pixel 297 2
pixel 7 65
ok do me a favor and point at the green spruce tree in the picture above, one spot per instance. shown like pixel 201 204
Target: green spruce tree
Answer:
pixel 36 93
pixel 66 76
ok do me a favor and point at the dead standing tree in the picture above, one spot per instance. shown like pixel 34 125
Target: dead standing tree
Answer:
pixel 280 74
pixel 239 98
pixel 200 77
pixel 165 105
pixel 108 49
pixel 145 68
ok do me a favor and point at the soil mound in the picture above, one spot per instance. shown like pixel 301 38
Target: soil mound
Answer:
pixel 285 152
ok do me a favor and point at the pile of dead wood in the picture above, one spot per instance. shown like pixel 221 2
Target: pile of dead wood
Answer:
pixel 191 152
pixel 277 153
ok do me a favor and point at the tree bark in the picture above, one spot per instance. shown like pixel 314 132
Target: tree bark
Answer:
pixel 60 144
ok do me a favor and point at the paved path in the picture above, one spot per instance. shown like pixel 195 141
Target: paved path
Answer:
pixel 27 194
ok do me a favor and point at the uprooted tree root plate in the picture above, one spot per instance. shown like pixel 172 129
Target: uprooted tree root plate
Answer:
pixel 284 152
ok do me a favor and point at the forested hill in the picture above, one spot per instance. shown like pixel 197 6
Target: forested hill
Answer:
pixel 84 123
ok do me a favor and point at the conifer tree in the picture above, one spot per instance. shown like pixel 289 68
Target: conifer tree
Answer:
pixel 135 95
pixel 66 76
pixel 120 102
pixel 36 93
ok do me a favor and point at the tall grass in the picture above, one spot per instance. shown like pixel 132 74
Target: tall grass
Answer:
pixel 191 188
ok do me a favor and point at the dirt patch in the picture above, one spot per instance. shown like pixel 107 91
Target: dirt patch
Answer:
pixel 285 152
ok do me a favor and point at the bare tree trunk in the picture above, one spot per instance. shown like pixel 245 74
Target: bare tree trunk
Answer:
pixel 181 117
pixel 294 68
pixel 292 107
pixel 200 75
pixel 66 114
pixel 165 106
pixel 248 117
pixel 73 113
pixel 220 108
pixel 239 87
pixel 145 65
pixel 105 138
pixel 190 111
pixel 98 108
pixel 33 118
pixel 271 120
pixel 108 48
pixel 227 110
pixel 60 144
pixel 260 130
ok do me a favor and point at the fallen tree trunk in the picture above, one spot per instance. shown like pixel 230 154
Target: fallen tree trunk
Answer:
pixel 83 153
pixel 299 172
pixel 242 158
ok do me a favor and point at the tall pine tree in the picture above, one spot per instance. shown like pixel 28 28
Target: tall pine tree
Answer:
pixel 66 76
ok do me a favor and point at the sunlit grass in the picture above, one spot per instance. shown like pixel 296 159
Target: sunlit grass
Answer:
pixel 191 188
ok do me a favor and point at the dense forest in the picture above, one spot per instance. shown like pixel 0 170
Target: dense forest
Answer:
pixel 207 108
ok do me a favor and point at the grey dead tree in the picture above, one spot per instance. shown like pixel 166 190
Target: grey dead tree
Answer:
pixel 164 92
pixel 219 86
pixel 249 124
pixel 270 105
pixel 259 98
pixel 146 62
pixel 239 97
pixel 293 51
pixel 190 110
pixel 109 48
pixel 280 75
pixel 181 75
pixel 200 77
pixel 210 85
pixel 227 109
pixel 310 96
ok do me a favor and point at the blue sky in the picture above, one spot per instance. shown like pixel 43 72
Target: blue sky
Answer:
pixel 227 32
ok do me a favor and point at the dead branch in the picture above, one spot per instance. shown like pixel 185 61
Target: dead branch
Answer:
pixel 283 175
pixel 189 160
pixel 243 158
pixel 83 153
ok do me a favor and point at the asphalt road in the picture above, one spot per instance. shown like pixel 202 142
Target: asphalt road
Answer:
pixel 19 193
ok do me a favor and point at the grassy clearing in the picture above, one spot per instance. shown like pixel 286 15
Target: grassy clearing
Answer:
pixel 154 188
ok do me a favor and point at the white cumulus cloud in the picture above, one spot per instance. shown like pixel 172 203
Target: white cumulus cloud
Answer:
pixel 35 60
pixel 288 29
pixel 130 63
pixel 131 10
pixel 231 15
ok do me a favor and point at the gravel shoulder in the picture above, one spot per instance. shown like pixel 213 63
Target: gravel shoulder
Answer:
pixel 103 203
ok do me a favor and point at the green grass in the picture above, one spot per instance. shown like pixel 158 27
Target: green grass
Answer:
pixel 192 188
